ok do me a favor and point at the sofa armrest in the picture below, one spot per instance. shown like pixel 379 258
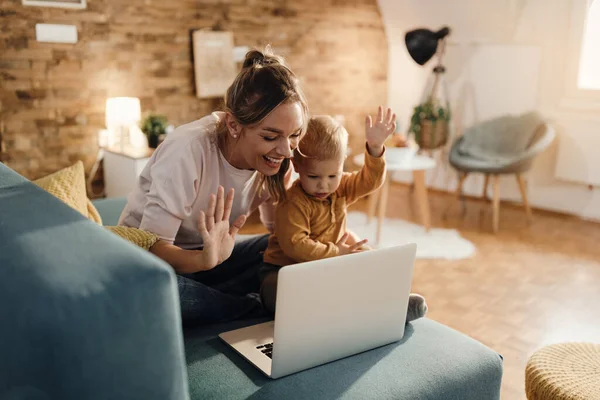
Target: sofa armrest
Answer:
pixel 84 314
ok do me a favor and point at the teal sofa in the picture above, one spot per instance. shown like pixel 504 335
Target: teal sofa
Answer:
pixel 87 315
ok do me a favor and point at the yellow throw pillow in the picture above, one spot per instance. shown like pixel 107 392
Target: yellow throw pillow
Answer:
pixel 93 213
pixel 68 185
pixel 143 239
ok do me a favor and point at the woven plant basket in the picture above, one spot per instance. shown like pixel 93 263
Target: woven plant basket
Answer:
pixel 432 135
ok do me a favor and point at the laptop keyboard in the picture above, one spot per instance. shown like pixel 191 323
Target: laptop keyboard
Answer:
pixel 266 349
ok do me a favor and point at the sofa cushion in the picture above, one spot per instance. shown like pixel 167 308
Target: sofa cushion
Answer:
pixel 500 139
pixel 9 178
pixel 431 362
pixel 86 315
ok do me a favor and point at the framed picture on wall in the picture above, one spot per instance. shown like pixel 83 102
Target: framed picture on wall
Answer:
pixel 214 67
pixel 76 4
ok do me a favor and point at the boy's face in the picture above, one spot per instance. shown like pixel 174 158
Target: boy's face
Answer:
pixel 320 178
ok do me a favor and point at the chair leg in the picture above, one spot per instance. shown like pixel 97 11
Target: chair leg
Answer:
pixel 459 193
pixel 523 189
pixel 461 179
pixel 422 200
pixel 485 186
pixel 383 200
pixel 496 203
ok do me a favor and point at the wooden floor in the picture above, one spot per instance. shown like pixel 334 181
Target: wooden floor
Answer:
pixel 527 286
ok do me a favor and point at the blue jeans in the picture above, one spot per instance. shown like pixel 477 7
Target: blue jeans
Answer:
pixel 228 291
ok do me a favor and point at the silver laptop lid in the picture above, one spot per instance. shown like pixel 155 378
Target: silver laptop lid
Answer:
pixel 336 307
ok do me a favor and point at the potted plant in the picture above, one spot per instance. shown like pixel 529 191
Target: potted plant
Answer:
pixel 153 126
pixel 430 124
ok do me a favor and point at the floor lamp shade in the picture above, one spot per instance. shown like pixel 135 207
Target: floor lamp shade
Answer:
pixel 422 43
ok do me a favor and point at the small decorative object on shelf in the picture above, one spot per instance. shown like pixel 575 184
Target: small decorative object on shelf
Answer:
pixel 398 139
pixel 154 126
pixel 400 150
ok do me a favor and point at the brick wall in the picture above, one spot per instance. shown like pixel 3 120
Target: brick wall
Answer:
pixel 53 96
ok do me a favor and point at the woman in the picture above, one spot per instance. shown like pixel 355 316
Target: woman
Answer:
pixel 246 150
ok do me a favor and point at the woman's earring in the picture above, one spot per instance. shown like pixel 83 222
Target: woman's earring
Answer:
pixel 234 136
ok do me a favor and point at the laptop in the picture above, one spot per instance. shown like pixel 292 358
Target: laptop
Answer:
pixel 330 309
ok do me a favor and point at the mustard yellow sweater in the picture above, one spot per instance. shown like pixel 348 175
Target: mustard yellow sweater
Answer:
pixel 307 228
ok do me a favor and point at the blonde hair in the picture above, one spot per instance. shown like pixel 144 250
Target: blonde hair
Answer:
pixel 263 83
pixel 325 139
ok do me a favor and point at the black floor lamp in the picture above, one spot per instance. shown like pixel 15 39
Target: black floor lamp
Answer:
pixel 423 45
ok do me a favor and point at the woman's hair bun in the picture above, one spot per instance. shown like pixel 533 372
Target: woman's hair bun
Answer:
pixel 257 58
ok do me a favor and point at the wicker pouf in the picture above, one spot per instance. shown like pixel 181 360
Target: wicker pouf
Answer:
pixel 564 371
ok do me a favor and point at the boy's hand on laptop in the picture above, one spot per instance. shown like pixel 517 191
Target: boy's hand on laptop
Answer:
pixel 349 248
pixel 218 237
pixel 377 131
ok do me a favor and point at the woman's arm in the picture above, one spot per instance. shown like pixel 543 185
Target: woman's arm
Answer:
pixel 175 179
pixel 182 261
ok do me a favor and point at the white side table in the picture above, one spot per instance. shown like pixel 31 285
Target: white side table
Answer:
pixel 122 169
pixel 418 165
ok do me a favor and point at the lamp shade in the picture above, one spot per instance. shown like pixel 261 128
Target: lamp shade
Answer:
pixel 422 43
pixel 122 111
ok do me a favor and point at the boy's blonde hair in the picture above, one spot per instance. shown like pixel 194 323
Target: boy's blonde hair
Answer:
pixel 325 139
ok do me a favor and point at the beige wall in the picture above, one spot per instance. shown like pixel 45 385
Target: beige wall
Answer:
pixel 52 96
pixel 545 26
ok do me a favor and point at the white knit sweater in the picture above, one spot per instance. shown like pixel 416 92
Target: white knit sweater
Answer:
pixel 176 184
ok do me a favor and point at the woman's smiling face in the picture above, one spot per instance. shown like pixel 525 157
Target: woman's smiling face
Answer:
pixel 262 147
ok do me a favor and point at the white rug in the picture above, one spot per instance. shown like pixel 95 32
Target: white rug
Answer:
pixel 437 243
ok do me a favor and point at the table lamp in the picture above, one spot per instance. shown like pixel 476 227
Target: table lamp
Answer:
pixel 122 113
